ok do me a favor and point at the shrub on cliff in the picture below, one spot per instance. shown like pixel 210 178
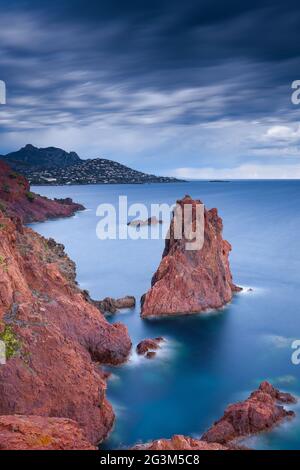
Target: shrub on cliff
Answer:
pixel 30 196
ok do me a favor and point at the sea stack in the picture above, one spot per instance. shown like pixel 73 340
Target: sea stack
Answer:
pixel 191 280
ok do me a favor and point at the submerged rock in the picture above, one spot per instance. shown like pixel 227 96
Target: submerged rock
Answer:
pixel 19 432
pixel 141 223
pixel 191 281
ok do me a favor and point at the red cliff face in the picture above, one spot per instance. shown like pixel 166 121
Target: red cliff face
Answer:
pixel 55 339
pixel 259 413
pixel 191 281
pixel 38 433
pixel 17 200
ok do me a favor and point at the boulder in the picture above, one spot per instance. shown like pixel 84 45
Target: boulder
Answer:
pixel 147 346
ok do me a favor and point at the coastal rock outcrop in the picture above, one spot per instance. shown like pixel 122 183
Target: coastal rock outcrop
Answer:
pixel 141 223
pixel 55 339
pixel 191 281
pixel 16 199
pixel 260 412
pixel 19 432
pixel 148 347
pixel 179 442
pixel 110 305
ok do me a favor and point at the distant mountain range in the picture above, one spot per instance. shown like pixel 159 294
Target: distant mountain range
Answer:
pixel 54 166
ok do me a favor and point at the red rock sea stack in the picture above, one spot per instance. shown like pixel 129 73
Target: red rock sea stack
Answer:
pixel 191 281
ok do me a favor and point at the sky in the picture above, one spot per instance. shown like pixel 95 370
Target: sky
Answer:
pixel 193 89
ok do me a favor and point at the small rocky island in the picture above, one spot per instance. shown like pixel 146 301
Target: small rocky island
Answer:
pixel 54 166
pixel 192 281
pixel 259 413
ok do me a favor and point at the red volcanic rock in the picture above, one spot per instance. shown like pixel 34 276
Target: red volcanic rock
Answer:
pixel 113 305
pixel 54 336
pixel 39 433
pixel 191 281
pixel 180 443
pixel 148 345
pixel 17 200
pixel 260 412
pixel 150 354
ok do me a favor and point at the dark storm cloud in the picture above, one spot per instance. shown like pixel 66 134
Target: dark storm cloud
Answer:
pixel 141 64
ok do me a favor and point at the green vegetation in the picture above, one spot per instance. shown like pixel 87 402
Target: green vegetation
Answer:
pixel 12 344
pixel 3 263
pixel 13 175
pixel 30 196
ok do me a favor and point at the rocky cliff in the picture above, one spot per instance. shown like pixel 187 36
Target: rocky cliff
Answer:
pixel 19 432
pixel 16 199
pixel 191 281
pixel 55 339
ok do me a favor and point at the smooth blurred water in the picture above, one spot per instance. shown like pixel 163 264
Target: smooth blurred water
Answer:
pixel 209 360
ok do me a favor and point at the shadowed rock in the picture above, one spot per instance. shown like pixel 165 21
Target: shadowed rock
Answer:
pixel 110 305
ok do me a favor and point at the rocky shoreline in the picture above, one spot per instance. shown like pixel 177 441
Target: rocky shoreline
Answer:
pixel 261 412
pixel 52 387
pixel 55 339
pixel 16 200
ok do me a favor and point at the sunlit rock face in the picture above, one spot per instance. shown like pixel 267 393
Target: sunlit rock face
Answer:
pixel 191 280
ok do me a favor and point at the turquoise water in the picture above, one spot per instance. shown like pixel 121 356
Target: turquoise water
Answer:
pixel 209 360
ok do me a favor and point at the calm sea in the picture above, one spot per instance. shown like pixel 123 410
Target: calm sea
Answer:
pixel 209 360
